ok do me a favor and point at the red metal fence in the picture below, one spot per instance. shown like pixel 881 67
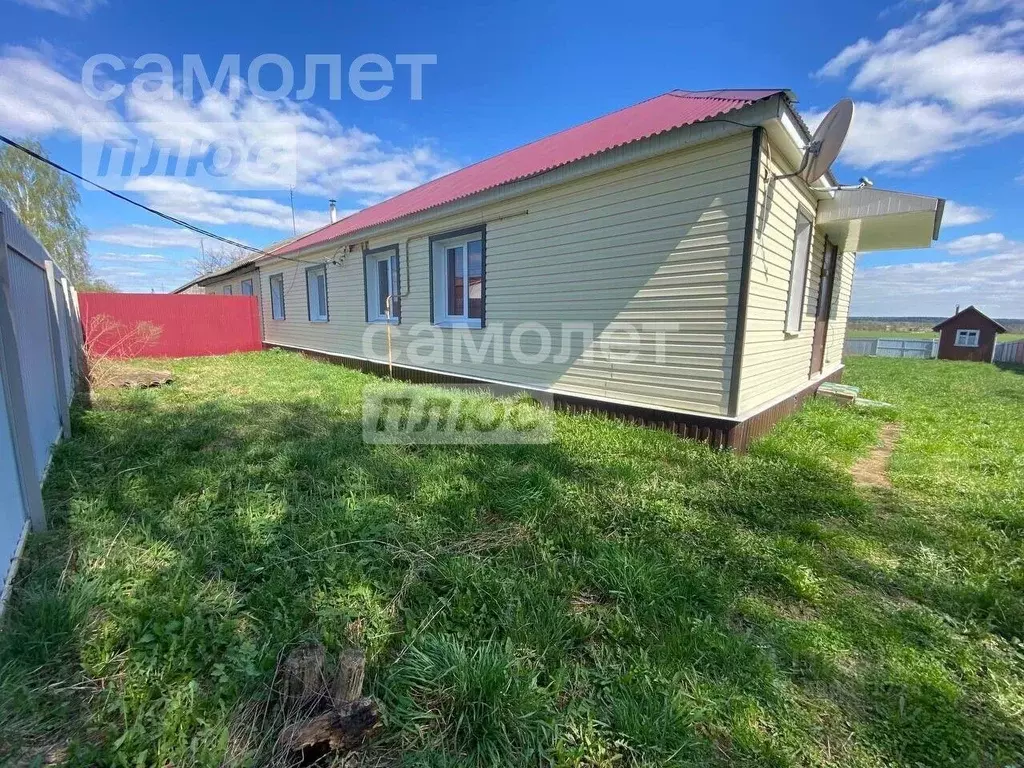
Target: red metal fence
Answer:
pixel 168 325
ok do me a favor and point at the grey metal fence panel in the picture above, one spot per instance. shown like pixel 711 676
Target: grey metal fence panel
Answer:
pixel 38 369
pixel 40 351
pixel 58 299
pixel 12 515
pixel 1009 352
pixel 918 348
pixel 921 348
pixel 859 347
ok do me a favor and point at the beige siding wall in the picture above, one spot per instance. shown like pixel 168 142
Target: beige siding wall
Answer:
pixel 776 362
pixel 657 244
pixel 235 281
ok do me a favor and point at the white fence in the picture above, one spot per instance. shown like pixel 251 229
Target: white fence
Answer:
pixel 921 348
pixel 1009 352
pixel 40 362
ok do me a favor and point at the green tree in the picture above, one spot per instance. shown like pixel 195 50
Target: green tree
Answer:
pixel 47 202
pixel 95 285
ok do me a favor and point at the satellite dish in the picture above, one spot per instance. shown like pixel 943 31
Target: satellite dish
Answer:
pixel 827 141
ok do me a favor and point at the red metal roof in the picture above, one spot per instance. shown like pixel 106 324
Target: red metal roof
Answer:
pixel 648 118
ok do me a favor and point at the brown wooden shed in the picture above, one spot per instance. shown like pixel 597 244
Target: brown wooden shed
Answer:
pixel 968 335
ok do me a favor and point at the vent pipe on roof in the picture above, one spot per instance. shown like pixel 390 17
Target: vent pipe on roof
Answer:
pixel 332 206
pixel 957 310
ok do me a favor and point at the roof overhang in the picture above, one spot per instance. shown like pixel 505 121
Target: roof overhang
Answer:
pixel 790 136
pixel 869 219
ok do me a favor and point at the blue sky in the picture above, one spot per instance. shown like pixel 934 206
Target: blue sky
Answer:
pixel 939 88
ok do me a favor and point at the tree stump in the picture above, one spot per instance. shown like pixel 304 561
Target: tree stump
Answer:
pixel 333 730
pixel 349 717
pixel 303 674
pixel 347 685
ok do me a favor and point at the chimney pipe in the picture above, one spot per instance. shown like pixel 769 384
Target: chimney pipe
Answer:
pixel 333 207
pixel 955 313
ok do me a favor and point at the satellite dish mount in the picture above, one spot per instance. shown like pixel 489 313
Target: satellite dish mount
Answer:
pixel 823 149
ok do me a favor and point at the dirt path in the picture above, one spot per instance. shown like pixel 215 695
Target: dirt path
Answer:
pixel 873 469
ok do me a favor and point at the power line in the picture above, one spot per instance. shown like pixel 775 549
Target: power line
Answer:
pixel 173 219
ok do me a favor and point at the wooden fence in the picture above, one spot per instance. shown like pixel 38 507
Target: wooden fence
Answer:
pixel 40 364
pixel 169 325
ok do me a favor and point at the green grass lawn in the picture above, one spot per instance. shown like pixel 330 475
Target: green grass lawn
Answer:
pixel 617 597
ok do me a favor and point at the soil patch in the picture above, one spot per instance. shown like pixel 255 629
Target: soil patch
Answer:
pixel 873 469
pixel 138 377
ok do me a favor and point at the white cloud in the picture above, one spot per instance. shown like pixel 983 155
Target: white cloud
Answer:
pixel 146 236
pixel 195 204
pixel 114 273
pixel 130 258
pixel 75 8
pixel 890 133
pixel 38 100
pixel 850 55
pixel 981 68
pixel 41 98
pixel 134 279
pixel 956 215
pixel 976 243
pixel 993 282
pixel 951 77
pixel 325 157
pixel 328 159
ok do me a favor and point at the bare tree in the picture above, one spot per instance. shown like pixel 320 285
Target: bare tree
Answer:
pixel 211 259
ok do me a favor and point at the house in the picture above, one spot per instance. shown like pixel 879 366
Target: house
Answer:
pixel 191 288
pixel 664 262
pixel 968 335
pixel 243 268
pixel 245 285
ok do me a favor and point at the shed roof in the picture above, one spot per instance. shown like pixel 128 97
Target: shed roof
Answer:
pixel 671 110
pixel 970 310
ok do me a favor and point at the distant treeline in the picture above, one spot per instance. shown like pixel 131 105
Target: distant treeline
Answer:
pixel 918 323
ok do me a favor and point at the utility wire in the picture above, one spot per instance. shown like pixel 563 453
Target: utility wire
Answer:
pixel 173 219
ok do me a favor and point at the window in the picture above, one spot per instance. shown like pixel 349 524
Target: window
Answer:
pixel 277 297
pixel 316 293
pixel 382 270
pixel 247 287
pixel 458 278
pixel 226 290
pixel 798 275
pixel 965 338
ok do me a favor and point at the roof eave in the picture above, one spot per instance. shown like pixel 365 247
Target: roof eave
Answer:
pixel 1000 328
pixel 228 270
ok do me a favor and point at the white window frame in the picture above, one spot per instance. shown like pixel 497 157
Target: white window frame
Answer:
pixel 251 290
pixel 964 337
pixel 279 280
pixel 439 246
pixel 323 314
pixel 799 268
pixel 375 311
pixel 226 290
